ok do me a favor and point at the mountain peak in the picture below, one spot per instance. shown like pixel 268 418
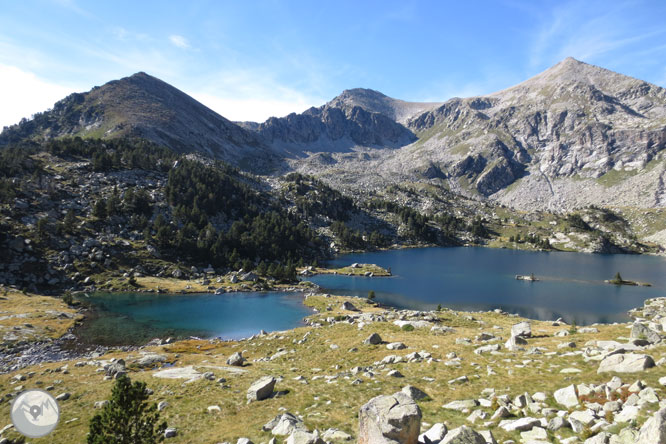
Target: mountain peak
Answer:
pixel 377 102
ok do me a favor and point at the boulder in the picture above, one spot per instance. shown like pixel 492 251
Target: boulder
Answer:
pixel 304 437
pixel 600 438
pixel 396 346
pixel 625 363
pixel 236 359
pixel 373 339
pixel 654 429
pixel 333 435
pixel 414 393
pixel 434 434
pixel 463 435
pixel 284 425
pixel 642 331
pixel 170 433
pixel 519 425
pixel 567 396
pixel 522 329
pixel 390 419
pixel 346 305
pixel 461 405
pixel 261 389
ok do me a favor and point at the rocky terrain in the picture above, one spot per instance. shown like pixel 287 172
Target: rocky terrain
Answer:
pixel 363 373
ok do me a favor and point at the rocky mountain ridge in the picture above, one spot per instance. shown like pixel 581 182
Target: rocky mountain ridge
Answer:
pixel 574 135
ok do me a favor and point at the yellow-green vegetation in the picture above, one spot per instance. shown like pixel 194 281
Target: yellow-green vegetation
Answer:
pixel 324 358
pixel 33 317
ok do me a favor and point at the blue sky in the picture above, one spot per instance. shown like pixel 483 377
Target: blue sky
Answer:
pixel 249 60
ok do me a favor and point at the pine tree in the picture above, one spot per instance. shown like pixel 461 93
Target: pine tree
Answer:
pixel 127 418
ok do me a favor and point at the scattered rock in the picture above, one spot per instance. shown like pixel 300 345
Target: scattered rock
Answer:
pixel 261 389
pixel 625 363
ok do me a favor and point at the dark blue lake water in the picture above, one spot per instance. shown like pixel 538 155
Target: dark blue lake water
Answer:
pixel 571 284
pixel 135 318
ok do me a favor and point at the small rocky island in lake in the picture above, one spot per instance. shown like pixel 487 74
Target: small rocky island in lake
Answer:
pixel 617 280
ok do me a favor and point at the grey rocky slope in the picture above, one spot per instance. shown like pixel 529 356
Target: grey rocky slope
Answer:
pixel 532 145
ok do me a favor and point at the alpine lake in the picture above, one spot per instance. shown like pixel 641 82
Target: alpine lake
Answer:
pixel 568 285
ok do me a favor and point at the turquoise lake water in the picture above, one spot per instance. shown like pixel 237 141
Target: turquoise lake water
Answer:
pixel 571 284
pixel 135 318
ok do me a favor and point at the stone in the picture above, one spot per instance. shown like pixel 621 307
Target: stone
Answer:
pixel 101 404
pixel 214 409
pixel 626 363
pixel 395 374
pixel 414 393
pixel 244 440
pixel 627 414
pixel 261 389
pixel 392 419
pixel 536 434
pixel 304 437
pixel 488 436
pixel 396 346
pixel 463 435
pixel 519 425
pixel 162 405
pixel 522 329
pixel 170 432
pixel 487 349
pixel 626 436
pixel 641 331
pixel 373 339
pixel 284 425
pixel 557 423
pixel 599 438
pixel 150 360
pixel 434 434
pixel 461 405
pixel 567 396
pixel 501 412
pixel 586 417
pixel 346 305
pixel 334 435
pixel 514 343
pixel 63 397
pixel 236 359
pixel 654 429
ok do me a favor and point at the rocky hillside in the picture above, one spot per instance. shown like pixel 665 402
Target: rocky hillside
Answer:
pixel 356 118
pixel 146 107
pixel 533 145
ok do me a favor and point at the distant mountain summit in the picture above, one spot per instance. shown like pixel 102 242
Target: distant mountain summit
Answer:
pixel 376 102
pixel 142 106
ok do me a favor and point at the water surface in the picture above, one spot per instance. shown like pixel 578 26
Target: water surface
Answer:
pixel 571 284
pixel 135 318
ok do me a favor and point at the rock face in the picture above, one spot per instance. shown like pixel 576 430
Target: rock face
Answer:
pixel 654 429
pixel 626 363
pixel 394 419
pixel 261 389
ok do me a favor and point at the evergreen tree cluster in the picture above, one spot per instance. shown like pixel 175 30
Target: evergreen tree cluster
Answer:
pixel 355 240
pixel 313 197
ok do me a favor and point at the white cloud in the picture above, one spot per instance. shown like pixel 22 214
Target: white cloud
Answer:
pixel 23 94
pixel 179 41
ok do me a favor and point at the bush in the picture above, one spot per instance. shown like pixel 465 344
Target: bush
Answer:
pixel 371 294
pixel 127 418
pixel 67 298
pixel 407 327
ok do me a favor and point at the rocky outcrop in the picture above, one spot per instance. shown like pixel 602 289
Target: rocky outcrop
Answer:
pixel 626 363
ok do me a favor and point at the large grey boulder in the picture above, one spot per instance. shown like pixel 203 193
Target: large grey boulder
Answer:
pixel 522 329
pixel 304 437
pixel 463 435
pixel 434 434
pixel 625 363
pixel 567 396
pixel 390 419
pixel 346 305
pixel 261 389
pixel 414 393
pixel 284 424
pixel 641 331
pixel 236 359
pixel 654 429
pixel 373 339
